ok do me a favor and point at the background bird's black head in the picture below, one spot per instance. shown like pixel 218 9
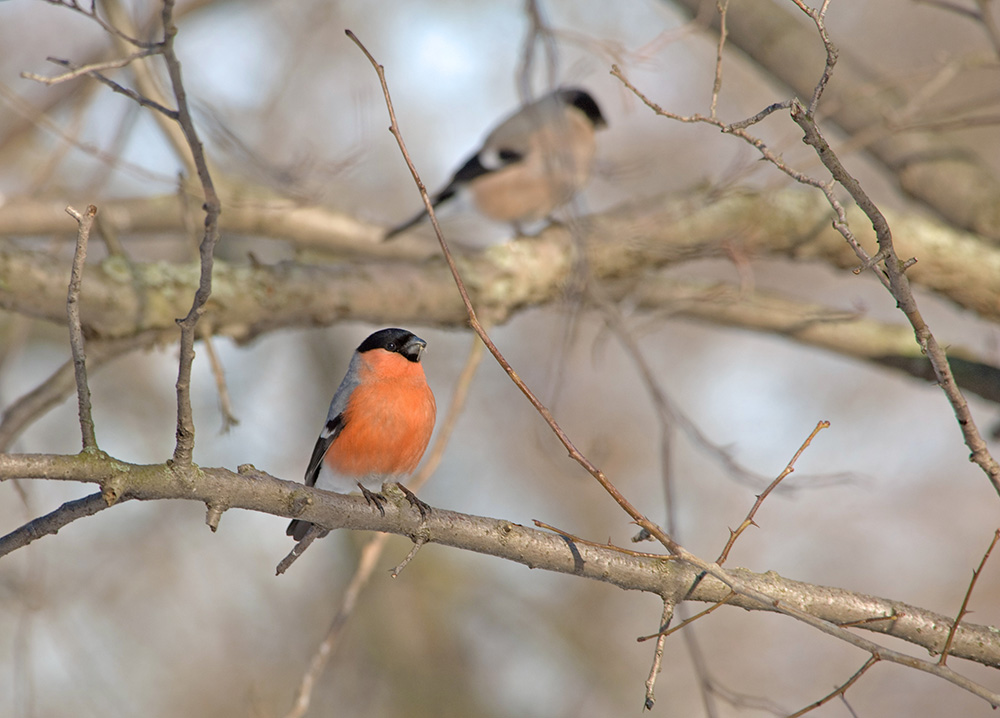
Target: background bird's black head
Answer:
pixel 581 100
pixel 395 340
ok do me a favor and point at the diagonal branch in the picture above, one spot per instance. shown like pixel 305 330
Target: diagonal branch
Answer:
pixel 50 524
pixel 899 287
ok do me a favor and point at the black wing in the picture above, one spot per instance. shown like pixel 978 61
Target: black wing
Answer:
pixel 330 432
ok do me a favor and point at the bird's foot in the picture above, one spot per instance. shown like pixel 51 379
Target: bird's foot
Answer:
pixel 373 498
pixel 416 503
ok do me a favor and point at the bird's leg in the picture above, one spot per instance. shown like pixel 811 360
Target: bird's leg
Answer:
pixel 416 503
pixel 374 499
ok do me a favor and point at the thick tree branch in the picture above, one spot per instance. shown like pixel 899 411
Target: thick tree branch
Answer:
pixel 653 232
pixel 255 491
pixel 130 300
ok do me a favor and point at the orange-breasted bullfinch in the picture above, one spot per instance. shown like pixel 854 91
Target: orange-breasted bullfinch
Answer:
pixel 531 163
pixel 379 421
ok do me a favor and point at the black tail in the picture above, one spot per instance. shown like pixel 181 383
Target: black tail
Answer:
pixel 400 228
pixel 298 529
pixel 442 196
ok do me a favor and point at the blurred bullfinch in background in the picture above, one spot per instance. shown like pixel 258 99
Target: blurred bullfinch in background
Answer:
pixel 531 163
pixel 379 422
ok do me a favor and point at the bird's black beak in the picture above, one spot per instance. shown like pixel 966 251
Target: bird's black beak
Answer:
pixel 413 349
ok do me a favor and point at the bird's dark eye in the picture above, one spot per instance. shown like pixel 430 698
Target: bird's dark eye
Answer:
pixel 390 347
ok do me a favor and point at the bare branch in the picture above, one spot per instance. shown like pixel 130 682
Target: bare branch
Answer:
pixel 840 691
pixel 229 419
pixel 748 521
pixel 722 8
pixel 821 607
pixel 86 223
pixel 654 669
pixel 61 383
pixel 118 87
pixel 965 601
pixel 50 524
pixel 899 287
pixel 185 421
pixel 480 330
pixel 109 28
pixel 92 68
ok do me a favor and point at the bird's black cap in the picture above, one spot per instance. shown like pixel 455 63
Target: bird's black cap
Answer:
pixel 395 340
pixel 581 100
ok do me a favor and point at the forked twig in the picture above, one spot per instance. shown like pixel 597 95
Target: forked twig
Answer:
pixel 667 631
pixel 789 468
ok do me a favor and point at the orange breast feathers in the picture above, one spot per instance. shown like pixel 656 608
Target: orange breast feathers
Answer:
pixel 388 420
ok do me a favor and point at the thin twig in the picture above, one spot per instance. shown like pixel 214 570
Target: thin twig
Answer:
pixel 789 468
pixel 479 329
pixel 654 669
pixel 50 523
pixel 137 97
pixel 538 32
pixel 722 7
pixel 576 539
pixel 77 71
pixel 86 223
pixel 314 532
pixel 229 419
pixel 366 566
pixel 666 631
pixel 899 287
pixel 738 129
pixel 185 421
pixel 106 26
pixel 61 383
pixel 818 16
pixel 840 690
pixel 418 543
pixel 965 602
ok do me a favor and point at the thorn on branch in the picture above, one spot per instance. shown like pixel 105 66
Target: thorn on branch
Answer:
pixel 749 520
pixel 965 602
